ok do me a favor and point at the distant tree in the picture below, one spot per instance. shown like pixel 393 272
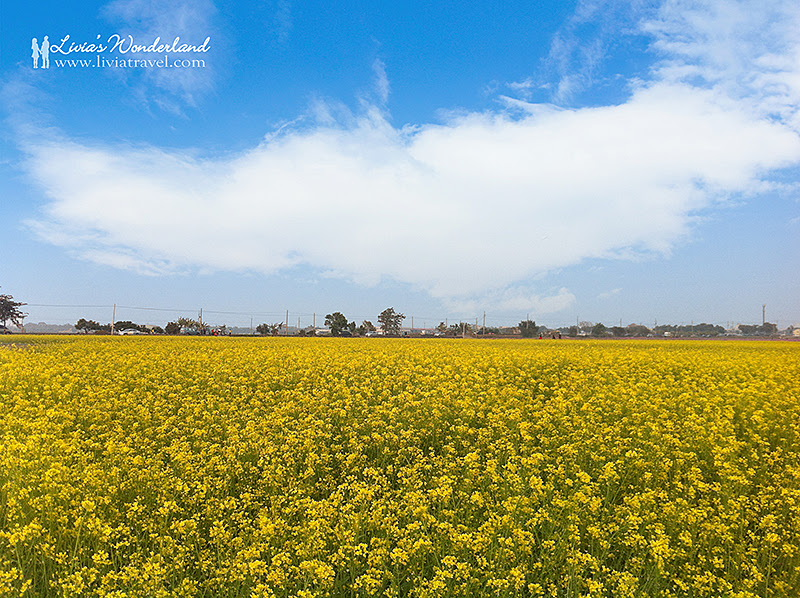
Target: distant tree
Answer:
pixel 9 310
pixel 86 326
pixel 336 322
pixel 442 327
pixel 460 329
pixel 572 331
pixel 748 329
pixel 352 327
pixel 637 330
pixel 366 326
pixel 391 320
pixel 158 330
pixel 528 328
pixel 599 330
pixel 768 328
pixel 191 326
pixel 701 329
pixel 172 328
pixel 269 329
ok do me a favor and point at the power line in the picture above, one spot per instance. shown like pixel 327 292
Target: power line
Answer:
pixel 57 305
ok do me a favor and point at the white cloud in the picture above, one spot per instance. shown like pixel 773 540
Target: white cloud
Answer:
pixel 474 204
pixel 192 21
pixel 283 21
pixel 514 299
pixel 465 209
pixel 749 50
pixel 581 46
pixel 381 80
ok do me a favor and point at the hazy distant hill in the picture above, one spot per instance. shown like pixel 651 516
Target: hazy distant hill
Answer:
pixel 44 328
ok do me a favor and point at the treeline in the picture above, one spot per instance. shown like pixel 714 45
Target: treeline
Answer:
pixel 390 324
pixel 702 329
pixel 87 326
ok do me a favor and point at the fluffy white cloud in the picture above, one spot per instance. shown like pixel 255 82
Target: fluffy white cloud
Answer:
pixel 462 209
pixel 457 209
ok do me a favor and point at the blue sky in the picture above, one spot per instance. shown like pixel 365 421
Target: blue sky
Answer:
pixel 607 161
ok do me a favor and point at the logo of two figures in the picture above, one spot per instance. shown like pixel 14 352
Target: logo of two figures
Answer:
pixel 43 51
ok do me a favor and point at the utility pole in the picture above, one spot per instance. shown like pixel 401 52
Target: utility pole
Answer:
pixel 484 322
pixel 763 314
pixel 314 320
pixel 251 325
pixel 113 317
pixel 287 322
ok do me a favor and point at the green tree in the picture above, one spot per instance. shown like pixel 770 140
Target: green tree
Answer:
pixel 87 326
pixel 190 326
pixel 172 328
pixel 10 310
pixel 528 328
pixel 637 330
pixel 768 328
pixel 269 329
pixel 748 329
pixel 391 320
pixel 366 326
pixel 460 328
pixel 336 322
pixel 599 330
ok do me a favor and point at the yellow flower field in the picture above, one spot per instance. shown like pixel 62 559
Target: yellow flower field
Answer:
pixel 221 467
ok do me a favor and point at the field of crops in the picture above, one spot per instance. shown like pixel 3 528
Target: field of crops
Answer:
pixel 133 467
